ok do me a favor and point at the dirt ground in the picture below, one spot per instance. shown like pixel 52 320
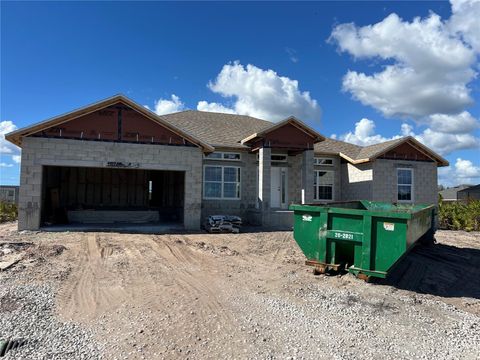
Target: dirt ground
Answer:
pixel 249 295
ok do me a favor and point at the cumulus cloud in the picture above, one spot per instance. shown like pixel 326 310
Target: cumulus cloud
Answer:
pixel 460 123
pixel 463 172
pixel 428 64
pixel 214 107
pixel 252 91
pixel 364 134
pixel 264 94
pixel 166 106
pixel 7 147
pixel 439 140
pixel 430 72
pixel 465 21
pixel 466 169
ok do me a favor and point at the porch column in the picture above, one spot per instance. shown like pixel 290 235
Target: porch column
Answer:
pixel 307 177
pixel 264 159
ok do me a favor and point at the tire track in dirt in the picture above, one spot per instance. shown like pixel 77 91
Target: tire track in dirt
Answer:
pixel 192 273
pixel 90 289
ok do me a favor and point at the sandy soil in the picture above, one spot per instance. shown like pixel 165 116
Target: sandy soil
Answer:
pixel 196 295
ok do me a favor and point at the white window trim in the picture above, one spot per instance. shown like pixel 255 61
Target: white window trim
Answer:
pixel 223 153
pixel 333 185
pixel 412 192
pixel 324 158
pixel 221 182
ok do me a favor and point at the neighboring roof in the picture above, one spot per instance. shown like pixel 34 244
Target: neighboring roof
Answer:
pixel 470 188
pixel 290 120
pixel 451 193
pixel 16 136
pixel 360 154
pixel 217 129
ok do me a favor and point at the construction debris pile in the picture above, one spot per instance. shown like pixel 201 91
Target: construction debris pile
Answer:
pixel 223 223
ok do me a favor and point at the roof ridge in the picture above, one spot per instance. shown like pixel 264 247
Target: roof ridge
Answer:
pixel 219 113
pixel 387 141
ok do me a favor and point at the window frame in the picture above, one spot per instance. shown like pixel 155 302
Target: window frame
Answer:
pixel 315 162
pixel 222 182
pixel 316 184
pixel 412 196
pixel 222 156
pixel 279 161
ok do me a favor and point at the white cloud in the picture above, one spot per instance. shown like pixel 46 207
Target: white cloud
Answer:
pixel 442 142
pixel 255 92
pixel 214 107
pixel 2 164
pixel 465 21
pixel 7 147
pixel 445 143
pixel 466 169
pixel 17 158
pixel 460 123
pixel 364 134
pixel 165 106
pixel 264 94
pixel 430 72
pixel 463 172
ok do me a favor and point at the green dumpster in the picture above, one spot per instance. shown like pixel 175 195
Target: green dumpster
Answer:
pixel 364 237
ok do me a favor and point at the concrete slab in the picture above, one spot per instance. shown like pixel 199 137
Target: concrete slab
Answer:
pixel 149 228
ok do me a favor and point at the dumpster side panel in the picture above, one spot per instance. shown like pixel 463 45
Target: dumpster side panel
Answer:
pixel 388 241
pixel 420 223
pixel 306 232
pixel 345 222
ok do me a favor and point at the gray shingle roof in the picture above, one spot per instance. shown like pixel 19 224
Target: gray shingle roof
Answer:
pixel 227 130
pixel 217 129
pixel 451 193
pixel 355 152
pixel 331 146
pixel 372 150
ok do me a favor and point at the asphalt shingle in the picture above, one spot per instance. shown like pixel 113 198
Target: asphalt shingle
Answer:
pixel 217 129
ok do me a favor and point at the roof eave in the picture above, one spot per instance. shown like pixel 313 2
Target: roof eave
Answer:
pixel 441 162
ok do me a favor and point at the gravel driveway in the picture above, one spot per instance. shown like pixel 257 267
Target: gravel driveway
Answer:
pixel 247 296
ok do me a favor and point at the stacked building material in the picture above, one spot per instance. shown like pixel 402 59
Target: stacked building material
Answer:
pixel 223 223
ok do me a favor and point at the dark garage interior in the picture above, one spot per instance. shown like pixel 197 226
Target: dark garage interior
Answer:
pixel 81 195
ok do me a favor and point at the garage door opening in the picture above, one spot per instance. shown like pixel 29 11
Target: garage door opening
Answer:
pixel 79 195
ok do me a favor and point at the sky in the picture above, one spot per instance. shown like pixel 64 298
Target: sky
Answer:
pixel 362 72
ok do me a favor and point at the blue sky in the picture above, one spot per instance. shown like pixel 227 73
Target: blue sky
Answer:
pixel 58 56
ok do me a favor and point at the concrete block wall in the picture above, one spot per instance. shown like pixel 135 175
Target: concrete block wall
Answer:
pixel 295 179
pixel 39 152
pixel 307 176
pixel 424 180
pixel 356 181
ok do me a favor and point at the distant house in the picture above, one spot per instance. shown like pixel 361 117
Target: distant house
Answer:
pixel 9 193
pixel 115 162
pixel 469 193
pixel 450 194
